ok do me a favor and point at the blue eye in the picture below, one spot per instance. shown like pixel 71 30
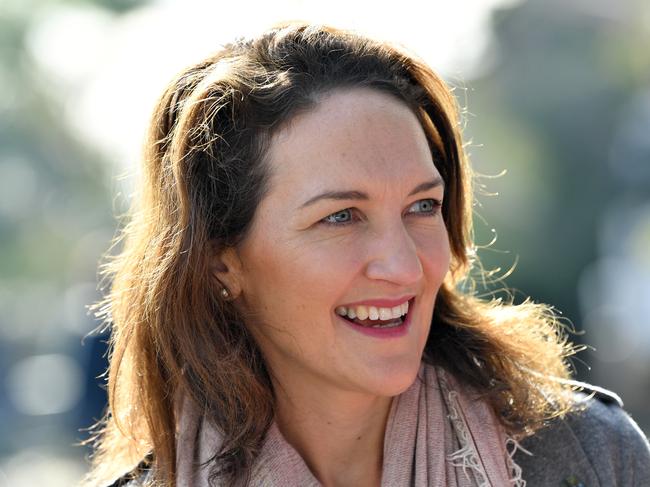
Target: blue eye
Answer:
pixel 426 207
pixel 339 218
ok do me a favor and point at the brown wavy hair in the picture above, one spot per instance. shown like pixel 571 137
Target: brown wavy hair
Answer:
pixel 204 175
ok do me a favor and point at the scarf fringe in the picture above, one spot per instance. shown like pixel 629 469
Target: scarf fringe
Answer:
pixel 517 479
pixel 467 457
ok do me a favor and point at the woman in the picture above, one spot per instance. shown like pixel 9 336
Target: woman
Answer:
pixel 287 308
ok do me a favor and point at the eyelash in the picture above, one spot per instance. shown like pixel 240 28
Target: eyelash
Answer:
pixel 435 209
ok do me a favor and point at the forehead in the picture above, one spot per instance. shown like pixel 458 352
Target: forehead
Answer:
pixel 352 136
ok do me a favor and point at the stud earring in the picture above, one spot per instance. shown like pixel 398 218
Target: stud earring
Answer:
pixel 224 293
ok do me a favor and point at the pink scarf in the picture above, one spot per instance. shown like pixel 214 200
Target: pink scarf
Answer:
pixel 436 435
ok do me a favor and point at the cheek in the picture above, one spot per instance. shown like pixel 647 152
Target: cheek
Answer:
pixel 442 257
pixel 288 292
pixel 282 279
pixel 434 251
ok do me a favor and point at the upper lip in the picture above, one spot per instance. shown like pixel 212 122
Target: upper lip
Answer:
pixel 381 302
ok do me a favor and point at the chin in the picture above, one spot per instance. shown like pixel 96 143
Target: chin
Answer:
pixel 396 378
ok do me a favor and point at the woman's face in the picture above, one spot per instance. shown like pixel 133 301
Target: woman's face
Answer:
pixel 351 225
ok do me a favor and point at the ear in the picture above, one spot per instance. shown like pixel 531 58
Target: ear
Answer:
pixel 227 269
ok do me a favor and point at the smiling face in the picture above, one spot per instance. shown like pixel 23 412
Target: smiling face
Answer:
pixel 351 225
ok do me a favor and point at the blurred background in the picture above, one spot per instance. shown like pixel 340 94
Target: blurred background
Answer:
pixel 556 98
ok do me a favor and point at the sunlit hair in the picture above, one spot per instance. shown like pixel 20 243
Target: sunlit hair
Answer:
pixel 204 175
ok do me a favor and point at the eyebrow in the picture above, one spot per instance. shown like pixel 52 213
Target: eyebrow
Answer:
pixel 360 195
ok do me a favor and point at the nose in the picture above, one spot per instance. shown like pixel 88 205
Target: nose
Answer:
pixel 393 257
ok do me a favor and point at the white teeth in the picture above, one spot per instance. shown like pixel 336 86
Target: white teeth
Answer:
pixel 362 312
pixel 392 324
pixel 397 311
pixel 373 312
pixel 385 313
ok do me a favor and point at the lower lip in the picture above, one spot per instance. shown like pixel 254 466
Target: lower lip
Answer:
pixel 393 332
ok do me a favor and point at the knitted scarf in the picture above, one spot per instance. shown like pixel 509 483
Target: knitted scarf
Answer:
pixel 437 435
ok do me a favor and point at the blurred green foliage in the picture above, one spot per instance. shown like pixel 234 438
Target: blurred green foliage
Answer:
pixel 547 113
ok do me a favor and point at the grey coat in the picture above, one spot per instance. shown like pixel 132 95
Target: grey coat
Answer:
pixel 597 446
pixel 600 446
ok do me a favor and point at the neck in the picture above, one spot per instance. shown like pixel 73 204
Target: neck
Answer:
pixel 339 435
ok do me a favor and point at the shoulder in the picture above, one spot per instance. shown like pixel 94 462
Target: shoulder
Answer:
pixel 597 443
